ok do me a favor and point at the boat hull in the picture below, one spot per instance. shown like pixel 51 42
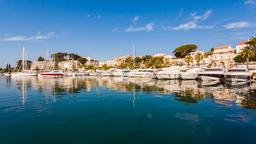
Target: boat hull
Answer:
pixel 167 76
pixel 210 78
pixel 23 74
pixel 191 76
pixel 238 78
pixel 53 74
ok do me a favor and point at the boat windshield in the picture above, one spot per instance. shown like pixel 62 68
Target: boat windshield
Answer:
pixel 183 70
pixel 213 70
pixel 237 70
pixel 146 71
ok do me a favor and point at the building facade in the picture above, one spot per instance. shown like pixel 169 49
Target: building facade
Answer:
pixel 42 65
pixel 223 55
pixel 240 47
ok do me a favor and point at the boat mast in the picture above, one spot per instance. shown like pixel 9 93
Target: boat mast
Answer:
pixel 134 55
pixel 23 59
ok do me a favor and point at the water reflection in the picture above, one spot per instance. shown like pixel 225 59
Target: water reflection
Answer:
pixel 184 91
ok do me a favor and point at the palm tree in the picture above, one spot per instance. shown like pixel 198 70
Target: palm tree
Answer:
pixel 222 64
pixel 198 57
pixel 247 53
pixel 188 60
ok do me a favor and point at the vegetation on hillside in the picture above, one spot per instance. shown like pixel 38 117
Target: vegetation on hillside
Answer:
pixel 146 61
pixel 184 50
pixel 248 54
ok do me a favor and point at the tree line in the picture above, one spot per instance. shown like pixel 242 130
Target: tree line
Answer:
pixel 248 54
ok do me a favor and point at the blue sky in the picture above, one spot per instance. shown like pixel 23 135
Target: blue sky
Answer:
pixel 104 29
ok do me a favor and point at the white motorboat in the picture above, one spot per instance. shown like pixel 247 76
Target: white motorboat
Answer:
pixel 238 75
pixel 170 73
pixel 191 74
pixel 147 73
pixel 7 74
pixel 93 74
pixel 120 73
pixel 107 73
pixel 126 72
pixel 24 73
pixel 74 74
pixel 54 73
pixel 212 74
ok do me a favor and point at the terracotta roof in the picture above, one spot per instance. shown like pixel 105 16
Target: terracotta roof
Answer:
pixel 222 47
pixel 242 43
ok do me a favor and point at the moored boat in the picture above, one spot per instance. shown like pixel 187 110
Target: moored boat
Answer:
pixel 170 73
pixel 238 75
pixel 24 73
pixel 107 73
pixel 147 73
pixel 119 73
pixel 54 73
pixel 212 74
pixel 24 68
pixel 191 74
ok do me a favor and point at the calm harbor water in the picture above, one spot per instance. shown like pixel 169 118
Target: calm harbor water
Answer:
pixel 125 110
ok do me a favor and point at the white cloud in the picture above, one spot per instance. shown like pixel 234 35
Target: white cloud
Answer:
pixel 20 38
pixel 186 26
pixel 135 19
pixel 237 25
pixel 201 17
pixel 193 24
pixel 147 28
pixel 249 2
pixel 15 38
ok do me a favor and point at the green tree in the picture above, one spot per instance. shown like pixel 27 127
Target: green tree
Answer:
pixel 74 56
pixel 40 59
pixel 188 60
pixel 19 65
pixel 146 60
pixel 128 63
pixel 8 68
pixel 157 62
pixel 184 50
pixel 247 53
pixel 58 57
pixel 199 57
pixel 239 59
pixel 83 60
pixel 105 67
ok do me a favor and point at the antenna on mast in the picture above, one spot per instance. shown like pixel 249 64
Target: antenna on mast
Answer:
pixel 23 58
pixel 134 55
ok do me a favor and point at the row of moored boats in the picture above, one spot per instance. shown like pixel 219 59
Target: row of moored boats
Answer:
pixel 206 75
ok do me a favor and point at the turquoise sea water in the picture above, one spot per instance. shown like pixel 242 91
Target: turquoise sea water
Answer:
pixel 124 111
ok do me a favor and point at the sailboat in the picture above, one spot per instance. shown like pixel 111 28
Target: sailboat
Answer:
pixel 24 72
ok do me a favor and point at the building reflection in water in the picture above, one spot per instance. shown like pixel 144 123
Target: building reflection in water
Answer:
pixel 185 91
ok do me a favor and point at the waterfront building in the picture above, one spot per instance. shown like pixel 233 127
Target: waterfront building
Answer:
pixel 68 65
pixel 204 61
pixel 240 47
pixel 177 61
pixel 223 55
pixel 42 65
pixel 92 62
pixel 111 63
pixel 120 59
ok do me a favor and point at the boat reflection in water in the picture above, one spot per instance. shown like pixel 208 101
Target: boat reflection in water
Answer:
pixel 188 91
